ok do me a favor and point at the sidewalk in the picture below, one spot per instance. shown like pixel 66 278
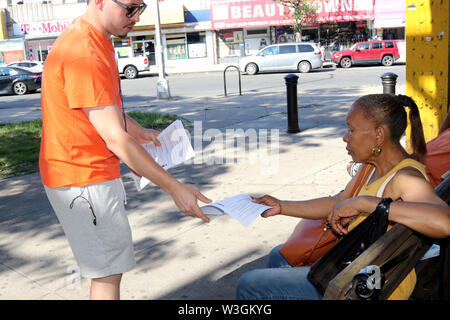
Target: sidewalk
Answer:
pixel 180 257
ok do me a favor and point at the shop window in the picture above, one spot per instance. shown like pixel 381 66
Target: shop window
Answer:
pixel 176 46
pixel 229 42
pixel 196 43
pixel 287 49
pixel 257 32
pixel 377 45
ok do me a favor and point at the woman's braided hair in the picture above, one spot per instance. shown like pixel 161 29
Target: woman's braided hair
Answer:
pixel 390 110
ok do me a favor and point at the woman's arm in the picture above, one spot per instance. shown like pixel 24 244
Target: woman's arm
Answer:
pixel 420 207
pixel 318 208
pixel 311 209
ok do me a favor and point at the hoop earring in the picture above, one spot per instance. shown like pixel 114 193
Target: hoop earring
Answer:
pixel 376 151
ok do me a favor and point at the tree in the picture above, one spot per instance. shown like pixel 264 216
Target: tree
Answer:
pixel 302 11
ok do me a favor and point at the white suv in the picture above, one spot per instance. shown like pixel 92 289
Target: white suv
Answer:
pixel 301 56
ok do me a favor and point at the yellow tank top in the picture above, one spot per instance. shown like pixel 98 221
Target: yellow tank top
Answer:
pixel 406 287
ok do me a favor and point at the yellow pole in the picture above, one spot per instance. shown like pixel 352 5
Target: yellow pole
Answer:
pixel 427 61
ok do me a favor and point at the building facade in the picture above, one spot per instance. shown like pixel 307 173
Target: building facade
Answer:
pixel 202 31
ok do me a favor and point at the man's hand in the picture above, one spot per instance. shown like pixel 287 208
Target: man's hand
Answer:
pixel 149 135
pixel 271 202
pixel 186 197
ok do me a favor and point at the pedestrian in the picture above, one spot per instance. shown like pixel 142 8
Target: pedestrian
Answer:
pixel 375 125
pixel 322 52
pixel 85 133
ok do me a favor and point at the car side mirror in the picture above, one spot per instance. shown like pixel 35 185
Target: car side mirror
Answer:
pixel 358 50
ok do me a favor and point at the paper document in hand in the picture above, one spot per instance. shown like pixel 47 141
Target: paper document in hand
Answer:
pixel 175 149
pixel 240 207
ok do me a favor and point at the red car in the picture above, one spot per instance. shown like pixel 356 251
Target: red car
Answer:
pixel 369 52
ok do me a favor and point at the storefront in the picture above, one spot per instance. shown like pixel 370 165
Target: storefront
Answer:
pixel 136 46
pixel 243 27
pixel 35 38
pixel 184 34
pixel 11 50
pixel 390 22
pixel 189 45
pixel 390 19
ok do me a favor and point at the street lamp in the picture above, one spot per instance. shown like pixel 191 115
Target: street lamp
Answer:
pixel 162 86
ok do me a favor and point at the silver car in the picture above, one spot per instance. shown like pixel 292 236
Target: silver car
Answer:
pixel 302 56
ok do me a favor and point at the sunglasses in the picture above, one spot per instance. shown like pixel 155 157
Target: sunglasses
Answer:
pixel 131 11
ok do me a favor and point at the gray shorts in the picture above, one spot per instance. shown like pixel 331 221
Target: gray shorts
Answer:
pixel 94 220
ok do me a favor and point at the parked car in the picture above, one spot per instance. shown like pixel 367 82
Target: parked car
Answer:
pixel 18 80
pixel 34 66
pixel 302 56
pixel 369 52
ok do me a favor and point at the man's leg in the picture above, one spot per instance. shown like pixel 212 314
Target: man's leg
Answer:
pixel 94 220
pixel 107 288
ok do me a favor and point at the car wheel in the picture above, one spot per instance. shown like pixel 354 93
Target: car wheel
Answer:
pixel 20 88
pixel 130 72
pixel 304 67
pixel 251 69
pixel 346 62
pixel 387 61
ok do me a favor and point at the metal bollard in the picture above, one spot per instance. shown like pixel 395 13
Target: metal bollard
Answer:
pixel 389 80
pixel 292 107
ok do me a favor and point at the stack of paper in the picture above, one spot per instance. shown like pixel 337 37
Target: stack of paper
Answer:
pixel 175 149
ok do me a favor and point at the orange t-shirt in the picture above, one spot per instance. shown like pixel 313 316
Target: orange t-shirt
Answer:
pixel 79 72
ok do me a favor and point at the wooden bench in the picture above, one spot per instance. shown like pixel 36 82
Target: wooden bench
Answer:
pixel 400 250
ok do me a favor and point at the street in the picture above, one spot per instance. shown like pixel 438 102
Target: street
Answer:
pixel 141 92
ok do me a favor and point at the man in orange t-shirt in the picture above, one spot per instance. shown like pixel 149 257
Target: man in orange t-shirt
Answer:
pixel 85 133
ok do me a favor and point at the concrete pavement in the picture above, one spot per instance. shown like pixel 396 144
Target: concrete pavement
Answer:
pixel 180 257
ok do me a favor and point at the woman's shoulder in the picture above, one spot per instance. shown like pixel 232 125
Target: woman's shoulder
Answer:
pixel 411 167
pixel 409 175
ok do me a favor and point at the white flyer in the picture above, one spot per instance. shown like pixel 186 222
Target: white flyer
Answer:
pixel 175 149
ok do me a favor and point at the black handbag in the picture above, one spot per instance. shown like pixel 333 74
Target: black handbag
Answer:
pixel 350 246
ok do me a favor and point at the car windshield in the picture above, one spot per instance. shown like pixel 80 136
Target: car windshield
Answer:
pixel 354 46
pixel 268 51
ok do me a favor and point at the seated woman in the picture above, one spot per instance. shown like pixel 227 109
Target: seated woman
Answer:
pixel 375 125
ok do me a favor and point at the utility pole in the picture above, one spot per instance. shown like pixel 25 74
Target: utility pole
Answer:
pixel 162 86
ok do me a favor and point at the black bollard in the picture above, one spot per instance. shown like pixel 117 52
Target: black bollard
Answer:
pixel 389 80
pixel 292 107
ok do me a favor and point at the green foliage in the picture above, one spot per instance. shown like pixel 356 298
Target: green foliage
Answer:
pixel 302 11
pixel 19 147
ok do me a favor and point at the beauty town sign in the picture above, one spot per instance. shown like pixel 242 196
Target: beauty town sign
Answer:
pixel 229 14
pixel 37 29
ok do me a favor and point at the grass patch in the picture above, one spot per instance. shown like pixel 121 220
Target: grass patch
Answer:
pixel 20 142
pixel 151 120
pixel 19 147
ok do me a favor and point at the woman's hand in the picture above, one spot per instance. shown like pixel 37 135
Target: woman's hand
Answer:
pixel 342 214
pixel 271 202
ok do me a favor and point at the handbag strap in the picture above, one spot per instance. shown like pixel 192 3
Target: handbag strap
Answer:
pixel 361 179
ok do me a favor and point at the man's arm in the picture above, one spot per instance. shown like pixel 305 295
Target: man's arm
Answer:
pixel 109 124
